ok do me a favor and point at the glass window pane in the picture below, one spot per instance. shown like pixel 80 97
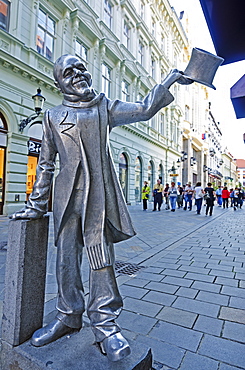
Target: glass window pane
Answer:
pixel 84 52
pixel 40 41
pixel 42 18
pixel 50 26
pixel 77 47
pixel 49 47
pixel 4 15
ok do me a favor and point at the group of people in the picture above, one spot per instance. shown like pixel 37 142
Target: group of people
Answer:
pixel 182 197
pixel 232 197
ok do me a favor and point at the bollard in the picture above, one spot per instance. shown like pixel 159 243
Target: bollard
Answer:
pixel 24 279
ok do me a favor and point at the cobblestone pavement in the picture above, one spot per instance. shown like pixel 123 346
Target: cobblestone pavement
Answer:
pixel 183 283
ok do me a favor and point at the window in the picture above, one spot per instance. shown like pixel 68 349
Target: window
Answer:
pixel 107 13
pixel 81 51
pixel 123 174
pixel 138 179
pixel 45 35
pixel 125 92
pixel 141 53
pixel 142 10
pixel 126 32
pixel 162 42
pixel 153 122
pixel 187 113
pixel 4 14
pixel 153 28
pixel 163 74
pixel 161 125
pixel 153 68
pixel 106 80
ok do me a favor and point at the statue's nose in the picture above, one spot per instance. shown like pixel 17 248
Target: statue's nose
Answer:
pixel 77 72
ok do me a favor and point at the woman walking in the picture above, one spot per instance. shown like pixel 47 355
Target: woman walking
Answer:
pixel 199 193
pixel 145 194
pixel 172 192
pixel 210 196
pixel 225 197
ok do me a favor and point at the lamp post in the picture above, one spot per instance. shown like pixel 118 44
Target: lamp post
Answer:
pixel 193 161
pixel 38 106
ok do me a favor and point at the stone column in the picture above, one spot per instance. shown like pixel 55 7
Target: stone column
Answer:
pixel 24 279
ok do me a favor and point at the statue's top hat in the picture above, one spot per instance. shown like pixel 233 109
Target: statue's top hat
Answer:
pixel 202 67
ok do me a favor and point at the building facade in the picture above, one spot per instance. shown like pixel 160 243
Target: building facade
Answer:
pixel 240 167
pixel 128 47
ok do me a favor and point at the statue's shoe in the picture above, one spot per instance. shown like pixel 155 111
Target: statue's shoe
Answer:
pixel 115 347
pixel 49 333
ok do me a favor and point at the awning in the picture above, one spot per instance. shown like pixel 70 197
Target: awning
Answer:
pixel 226 23
pixel 238 97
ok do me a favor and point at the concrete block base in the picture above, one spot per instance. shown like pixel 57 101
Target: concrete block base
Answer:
pixel 76 352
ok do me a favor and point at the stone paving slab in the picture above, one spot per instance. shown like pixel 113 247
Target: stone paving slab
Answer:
pixel 188 303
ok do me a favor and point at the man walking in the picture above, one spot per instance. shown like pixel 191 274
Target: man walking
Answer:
pixel 158 194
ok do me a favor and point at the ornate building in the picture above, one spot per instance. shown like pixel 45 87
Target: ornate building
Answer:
pixel 128 47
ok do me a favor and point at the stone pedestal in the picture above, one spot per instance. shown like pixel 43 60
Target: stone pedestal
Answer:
pixel 76 352
pixel 25 279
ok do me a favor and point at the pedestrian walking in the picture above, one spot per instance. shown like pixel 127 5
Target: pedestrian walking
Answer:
pixel 145 194
pixel 235 200
pixel 180 191
pixel 240 197
pixel 199 194
pixel 165 194
pixel 172 192
pixel 189 190
pixel 232 197
pixel 225 197
pixel 219 195
pixel 209 197
pixel 158 195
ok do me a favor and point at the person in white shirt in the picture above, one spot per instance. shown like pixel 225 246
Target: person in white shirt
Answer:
pixel 199 193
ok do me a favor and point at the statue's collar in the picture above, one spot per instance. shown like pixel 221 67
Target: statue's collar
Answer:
pixel 82 104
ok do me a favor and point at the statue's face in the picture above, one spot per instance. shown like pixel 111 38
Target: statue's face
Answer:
pixel 72 76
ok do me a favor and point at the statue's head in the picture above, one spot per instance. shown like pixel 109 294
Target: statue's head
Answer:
pixel 72 78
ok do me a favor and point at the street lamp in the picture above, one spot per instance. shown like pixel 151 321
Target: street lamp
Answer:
pixel 173 169
pixel 193 161
pixel 38 106
pixel 184 156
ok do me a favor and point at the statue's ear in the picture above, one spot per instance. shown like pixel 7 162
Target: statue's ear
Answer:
pixel 57 85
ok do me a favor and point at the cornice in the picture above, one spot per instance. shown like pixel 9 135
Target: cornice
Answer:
pixel 28 72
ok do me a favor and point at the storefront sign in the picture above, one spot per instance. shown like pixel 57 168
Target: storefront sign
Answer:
pixel 34 147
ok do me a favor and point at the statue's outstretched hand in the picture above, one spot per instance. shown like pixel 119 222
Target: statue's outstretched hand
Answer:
pixel 183 80
pixel 176 76
pixel 26 213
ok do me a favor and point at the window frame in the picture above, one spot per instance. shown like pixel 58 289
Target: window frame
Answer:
pixel 79 54
pixel 141 52
pixel 125 91
pixel 107 13
pixel 106 79
pixel 8 5
pixel 46 32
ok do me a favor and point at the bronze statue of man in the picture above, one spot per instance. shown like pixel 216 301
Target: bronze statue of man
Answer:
pixel 89 207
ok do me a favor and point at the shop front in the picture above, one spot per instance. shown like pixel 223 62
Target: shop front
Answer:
pixel 3 147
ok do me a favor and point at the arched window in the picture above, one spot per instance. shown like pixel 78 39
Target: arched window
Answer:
pixel 123 174
pixel 160 173
pixel 3 145
pixel 138 179
pixel 151 174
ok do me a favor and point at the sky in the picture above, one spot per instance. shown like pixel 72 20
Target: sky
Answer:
pixel 226 76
